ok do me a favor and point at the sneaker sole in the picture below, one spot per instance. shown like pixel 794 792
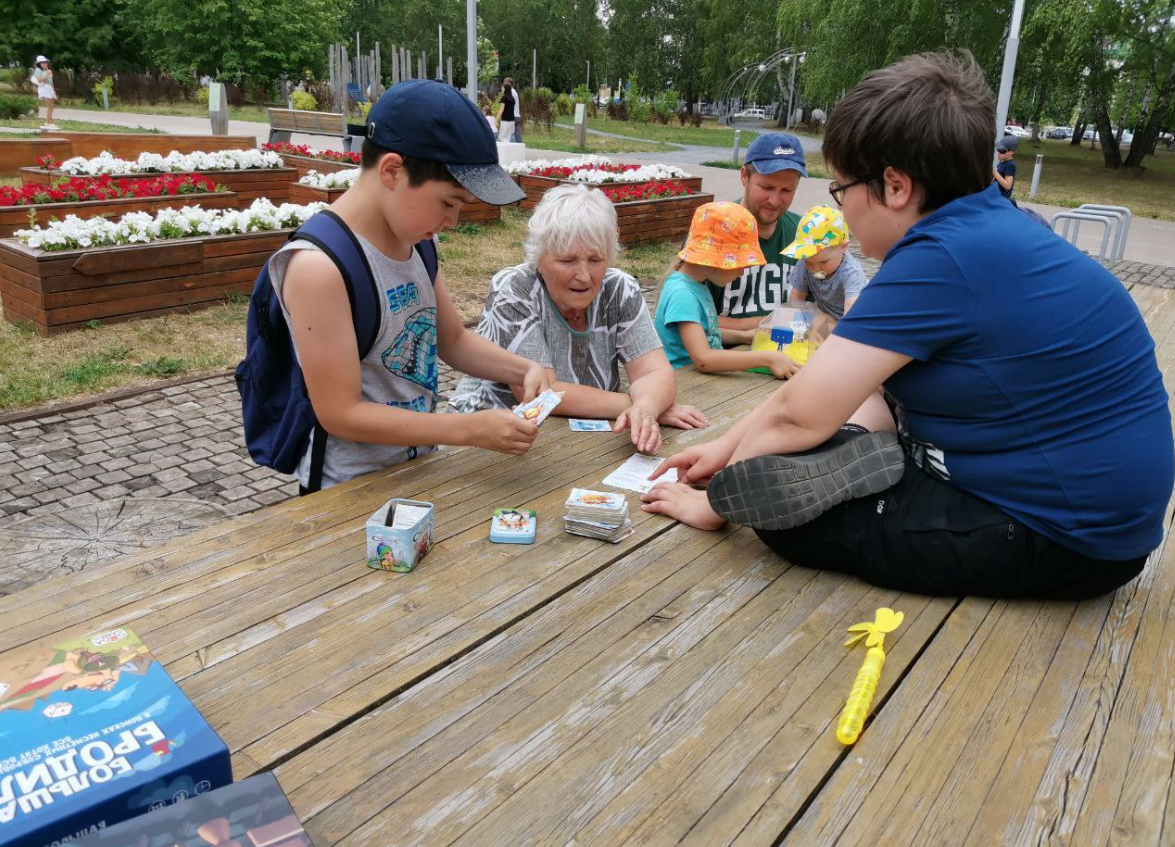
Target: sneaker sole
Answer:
pixel 783 492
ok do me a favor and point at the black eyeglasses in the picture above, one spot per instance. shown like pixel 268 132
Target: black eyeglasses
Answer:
pixel 838 191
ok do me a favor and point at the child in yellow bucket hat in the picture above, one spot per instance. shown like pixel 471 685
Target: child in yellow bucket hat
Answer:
pixel 827 270
pixel 723 241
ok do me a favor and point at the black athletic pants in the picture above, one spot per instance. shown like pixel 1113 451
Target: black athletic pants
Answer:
pixel 926 536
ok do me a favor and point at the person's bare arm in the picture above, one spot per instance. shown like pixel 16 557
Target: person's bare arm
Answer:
pixel 708 360
pixel 320 316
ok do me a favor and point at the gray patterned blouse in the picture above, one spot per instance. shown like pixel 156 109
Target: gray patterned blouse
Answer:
pixel 520 317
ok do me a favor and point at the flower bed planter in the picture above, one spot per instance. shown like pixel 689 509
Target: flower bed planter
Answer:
pixel 653 220
pixel 16 153
pixel 470 213
pixel 536 186
pixel 13 218
pixel 130 144
pixel 305 164
pixel 247 184
pixel 63 290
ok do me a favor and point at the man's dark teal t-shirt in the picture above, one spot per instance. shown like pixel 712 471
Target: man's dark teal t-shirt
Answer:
pixel 1034 383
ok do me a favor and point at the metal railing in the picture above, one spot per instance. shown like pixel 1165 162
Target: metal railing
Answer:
pixel 1115 221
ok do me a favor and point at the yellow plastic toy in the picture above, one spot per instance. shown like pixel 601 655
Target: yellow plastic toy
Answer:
pixel 856 709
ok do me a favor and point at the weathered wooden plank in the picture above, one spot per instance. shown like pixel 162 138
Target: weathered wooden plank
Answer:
pixel 134 291
pixel 115 590
pixel 95 262
pixel 17 153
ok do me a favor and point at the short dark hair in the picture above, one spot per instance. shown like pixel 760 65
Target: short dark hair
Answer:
pixel 930 116
pixel 419 171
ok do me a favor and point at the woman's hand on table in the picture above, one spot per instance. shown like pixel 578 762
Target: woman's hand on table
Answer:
pixel 680 502
pixel 683 417
pixel 698 463
pixel 642 426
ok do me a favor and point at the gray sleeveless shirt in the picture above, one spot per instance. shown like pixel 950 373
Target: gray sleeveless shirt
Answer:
pixel 401 368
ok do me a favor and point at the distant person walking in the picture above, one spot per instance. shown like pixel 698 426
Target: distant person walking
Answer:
pixel 517 137
pixel 506 110
pixel 43 78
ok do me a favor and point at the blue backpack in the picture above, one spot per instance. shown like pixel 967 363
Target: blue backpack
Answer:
pixel 275 405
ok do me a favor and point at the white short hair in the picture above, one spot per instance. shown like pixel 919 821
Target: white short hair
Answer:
pixel 569 215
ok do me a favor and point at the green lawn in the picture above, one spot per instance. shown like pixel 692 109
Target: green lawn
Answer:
pixel 560 139
pixel 709 134
pixel 34 123
pixel 259 114
pixel 1071 176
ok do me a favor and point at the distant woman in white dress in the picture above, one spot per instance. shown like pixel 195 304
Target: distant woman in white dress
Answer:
pixel 43 78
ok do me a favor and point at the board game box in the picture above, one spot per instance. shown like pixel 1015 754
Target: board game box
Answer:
pixel 251 813
pixel 92 732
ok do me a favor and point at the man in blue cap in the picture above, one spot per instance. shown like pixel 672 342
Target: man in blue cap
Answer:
pixel 770 175
pixel 427 152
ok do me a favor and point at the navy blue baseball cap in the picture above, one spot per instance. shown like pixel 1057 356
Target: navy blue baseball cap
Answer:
pixel 776 151
pixel 428 119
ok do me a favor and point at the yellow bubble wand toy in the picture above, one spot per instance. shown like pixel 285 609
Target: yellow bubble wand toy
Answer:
pixel 856 709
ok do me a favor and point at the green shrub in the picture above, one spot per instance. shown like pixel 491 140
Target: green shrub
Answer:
pixel 18 80
pixel 304 101
pixel 639 110
pixel 14 106
pixel 106 84
pixel 202 96
pixel 563 104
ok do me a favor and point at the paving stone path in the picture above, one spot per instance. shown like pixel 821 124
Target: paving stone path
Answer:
pixel 180 443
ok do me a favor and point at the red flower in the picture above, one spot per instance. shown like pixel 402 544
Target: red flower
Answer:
pixel 81 189
pixel 646 191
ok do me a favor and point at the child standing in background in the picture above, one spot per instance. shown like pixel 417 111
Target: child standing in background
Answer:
pixel 43 78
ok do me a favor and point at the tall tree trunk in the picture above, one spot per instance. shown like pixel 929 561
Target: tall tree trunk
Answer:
pixel 1144 139
pixel 1101 118
pixel 1079 127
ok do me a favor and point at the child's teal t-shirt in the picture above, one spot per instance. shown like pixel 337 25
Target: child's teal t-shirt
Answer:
pixel 685 301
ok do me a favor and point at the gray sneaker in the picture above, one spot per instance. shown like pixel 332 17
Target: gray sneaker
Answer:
pixel 783 492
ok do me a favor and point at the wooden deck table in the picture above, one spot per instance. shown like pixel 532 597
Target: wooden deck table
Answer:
pixel 678 687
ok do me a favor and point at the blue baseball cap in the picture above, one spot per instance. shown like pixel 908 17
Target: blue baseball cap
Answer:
pixel 776 151
pixel 428 119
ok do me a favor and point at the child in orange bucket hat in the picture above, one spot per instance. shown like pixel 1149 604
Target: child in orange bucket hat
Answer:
pixel 723 241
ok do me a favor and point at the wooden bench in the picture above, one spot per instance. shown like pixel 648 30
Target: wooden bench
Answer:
pixel 128 145
pixel 283 123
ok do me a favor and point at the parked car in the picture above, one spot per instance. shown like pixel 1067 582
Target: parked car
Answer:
pixel 1059 132
pixel 754 114
pixel 1090 135
pixel 1016 131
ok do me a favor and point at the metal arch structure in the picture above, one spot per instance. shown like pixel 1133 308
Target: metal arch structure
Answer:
pixel 748 78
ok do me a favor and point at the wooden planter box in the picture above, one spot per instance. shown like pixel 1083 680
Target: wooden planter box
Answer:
pixel 13 218
pixel 305 164
pixel 248 185
pixel 128 145
pixel 536 186
pixel 470 212
pixel 63 290
pixel 653 220
pixel 16 153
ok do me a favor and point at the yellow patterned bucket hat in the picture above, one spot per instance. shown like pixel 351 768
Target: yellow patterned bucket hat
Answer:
pixel 723 235
pixel 821 227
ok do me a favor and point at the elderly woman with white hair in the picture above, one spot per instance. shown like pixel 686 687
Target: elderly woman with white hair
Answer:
pixel 566 308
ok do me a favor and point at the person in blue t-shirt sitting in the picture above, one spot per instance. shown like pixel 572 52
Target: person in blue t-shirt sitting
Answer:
pixel 1034 455
pixel 1005 171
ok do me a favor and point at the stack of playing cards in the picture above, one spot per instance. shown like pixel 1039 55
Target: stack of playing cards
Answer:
pixel 597 514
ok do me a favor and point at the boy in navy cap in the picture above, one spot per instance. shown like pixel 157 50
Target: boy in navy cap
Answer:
pixel 770 175
pixel 428 151
pixel 1005 171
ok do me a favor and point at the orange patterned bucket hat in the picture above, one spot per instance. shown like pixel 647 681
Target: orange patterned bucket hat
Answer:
pixel 723 235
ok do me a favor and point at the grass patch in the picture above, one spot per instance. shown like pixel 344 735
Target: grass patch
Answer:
pixel 1071 176
pixel 76 126
pixel 259 114
pixel 560 140
pixel 723 163
pixel 709 134
pixel 36 370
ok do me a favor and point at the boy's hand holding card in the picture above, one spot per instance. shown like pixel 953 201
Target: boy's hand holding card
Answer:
pixel 537 410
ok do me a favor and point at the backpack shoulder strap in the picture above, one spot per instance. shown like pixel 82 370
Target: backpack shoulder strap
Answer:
pixel 428 254
pixel 327 231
